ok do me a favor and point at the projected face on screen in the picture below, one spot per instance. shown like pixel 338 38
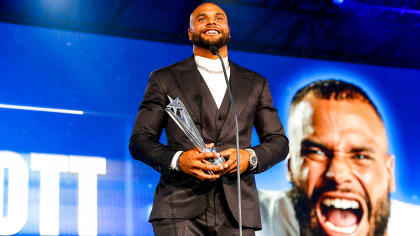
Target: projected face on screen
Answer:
pixel 340 167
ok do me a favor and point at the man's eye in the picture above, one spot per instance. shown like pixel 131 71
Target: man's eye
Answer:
pixel 219 18
pixel 201 19
pixel 316 155
pixel 362 157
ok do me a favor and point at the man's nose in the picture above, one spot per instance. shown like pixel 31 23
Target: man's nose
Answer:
pixel 339 170
pixel 211 22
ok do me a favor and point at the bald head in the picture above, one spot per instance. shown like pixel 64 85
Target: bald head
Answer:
pixel 335 90
pixel 206 7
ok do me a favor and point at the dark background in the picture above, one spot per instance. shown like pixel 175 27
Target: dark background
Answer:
pixel 95 56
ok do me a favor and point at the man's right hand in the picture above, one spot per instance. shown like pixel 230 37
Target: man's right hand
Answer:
pixel 194 163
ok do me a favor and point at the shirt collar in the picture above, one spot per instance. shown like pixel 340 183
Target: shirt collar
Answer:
pixel 211 64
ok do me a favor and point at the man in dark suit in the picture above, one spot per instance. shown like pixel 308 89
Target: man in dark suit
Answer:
pixel 188 200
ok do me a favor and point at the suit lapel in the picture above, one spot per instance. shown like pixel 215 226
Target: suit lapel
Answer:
pixel 189 81
pixel 240 85
pixel 187 78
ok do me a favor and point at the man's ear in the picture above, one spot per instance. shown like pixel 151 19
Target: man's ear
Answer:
pixel 190 34
pixel 390 167
pixel 289 173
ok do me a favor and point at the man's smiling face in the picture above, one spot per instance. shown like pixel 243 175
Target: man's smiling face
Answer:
pixel 339 166
pixel 209 26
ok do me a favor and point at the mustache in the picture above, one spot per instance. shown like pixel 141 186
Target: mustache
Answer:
pixel 199 41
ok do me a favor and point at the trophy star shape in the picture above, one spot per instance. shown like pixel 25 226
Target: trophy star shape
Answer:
pixel 177 108
pixel 177 111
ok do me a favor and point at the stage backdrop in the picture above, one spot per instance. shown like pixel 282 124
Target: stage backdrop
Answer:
pixel 68 103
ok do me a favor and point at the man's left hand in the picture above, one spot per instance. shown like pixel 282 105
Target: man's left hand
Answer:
pixel 232 163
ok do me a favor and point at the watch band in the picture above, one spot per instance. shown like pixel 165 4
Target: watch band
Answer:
pixel 175 161
pixel 253 160
pixel 177 167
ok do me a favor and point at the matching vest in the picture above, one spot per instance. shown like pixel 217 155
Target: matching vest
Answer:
pixel 214 118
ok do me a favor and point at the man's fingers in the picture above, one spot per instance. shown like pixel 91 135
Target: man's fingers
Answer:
pixel 231 167
pixel 206 155
pixel 230 161
pixel 208 167
pixel 210 145
pixel 228 152
pixel 232 171
pixel 206 162
pixel 204 176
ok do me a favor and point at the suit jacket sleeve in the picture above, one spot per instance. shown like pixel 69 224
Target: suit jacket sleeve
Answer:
pixel 144 140
pixel 274 145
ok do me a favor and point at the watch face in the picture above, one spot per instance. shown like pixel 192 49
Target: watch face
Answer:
pixel 253 160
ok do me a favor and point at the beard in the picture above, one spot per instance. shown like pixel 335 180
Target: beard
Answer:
pixel 305 211
pixel 201 42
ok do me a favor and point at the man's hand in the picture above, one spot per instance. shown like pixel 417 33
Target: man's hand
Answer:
pixel 194 163
pixel 232 163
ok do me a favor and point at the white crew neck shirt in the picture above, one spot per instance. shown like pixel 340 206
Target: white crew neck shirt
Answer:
pixel 215 82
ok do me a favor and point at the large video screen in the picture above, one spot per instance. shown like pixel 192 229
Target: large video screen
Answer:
pixel 68 101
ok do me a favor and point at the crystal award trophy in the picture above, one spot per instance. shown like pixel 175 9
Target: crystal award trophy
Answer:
pixel 179 114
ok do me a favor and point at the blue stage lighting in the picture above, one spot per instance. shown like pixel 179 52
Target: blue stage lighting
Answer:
pixel 337 2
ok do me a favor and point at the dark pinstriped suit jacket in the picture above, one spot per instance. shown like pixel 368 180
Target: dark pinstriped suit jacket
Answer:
pixel 179 195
